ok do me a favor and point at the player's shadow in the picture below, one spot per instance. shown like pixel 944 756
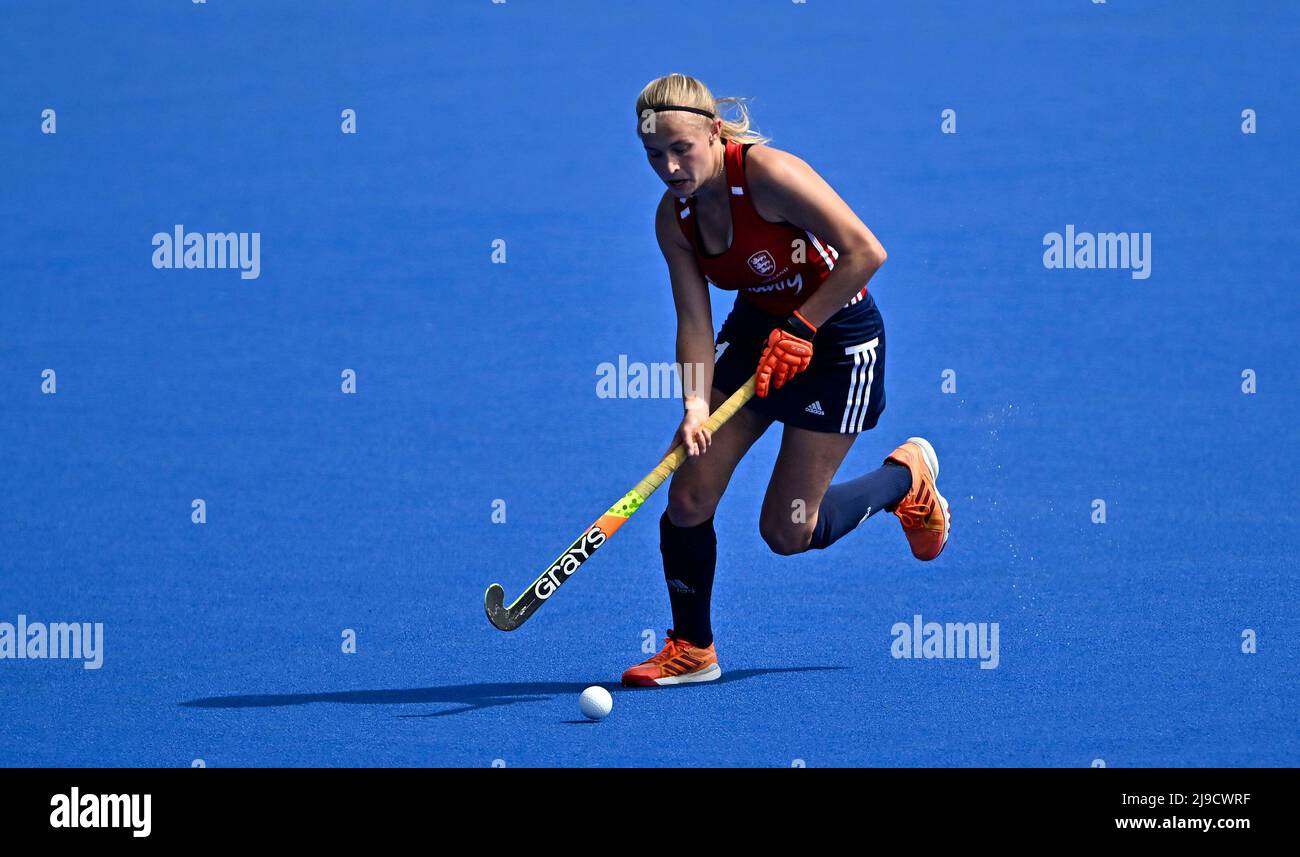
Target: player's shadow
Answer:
pixel 468 697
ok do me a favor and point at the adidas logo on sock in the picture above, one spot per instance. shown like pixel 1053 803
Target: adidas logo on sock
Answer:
pixel 815 408
pixel 680 587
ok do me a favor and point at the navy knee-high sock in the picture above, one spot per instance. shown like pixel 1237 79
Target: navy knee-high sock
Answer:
pixel 850 503
pixel 690 557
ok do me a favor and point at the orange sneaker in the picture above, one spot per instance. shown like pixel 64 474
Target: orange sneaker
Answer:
pixel 923 511
pixel 679 662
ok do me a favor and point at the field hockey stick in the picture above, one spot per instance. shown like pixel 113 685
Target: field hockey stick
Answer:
pixel 509 618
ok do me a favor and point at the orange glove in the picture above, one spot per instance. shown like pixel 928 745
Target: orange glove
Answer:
pixel 789 351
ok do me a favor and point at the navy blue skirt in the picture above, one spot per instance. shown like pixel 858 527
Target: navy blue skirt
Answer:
pixel 842 390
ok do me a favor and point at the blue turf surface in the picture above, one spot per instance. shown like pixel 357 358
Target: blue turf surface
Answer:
pixel 476 381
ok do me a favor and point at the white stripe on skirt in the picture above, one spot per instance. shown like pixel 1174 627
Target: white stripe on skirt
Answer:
pixel 864 373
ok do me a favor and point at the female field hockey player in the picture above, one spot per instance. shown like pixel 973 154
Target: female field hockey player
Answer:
pixel 758 221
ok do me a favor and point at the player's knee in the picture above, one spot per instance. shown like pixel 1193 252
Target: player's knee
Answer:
pixel 689 506
pixel 786 540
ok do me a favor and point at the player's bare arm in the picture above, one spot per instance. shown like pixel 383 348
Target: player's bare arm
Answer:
pixel 786 189
pixel 694 329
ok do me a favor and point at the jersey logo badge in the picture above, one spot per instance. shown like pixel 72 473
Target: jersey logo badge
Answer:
pixel 762 263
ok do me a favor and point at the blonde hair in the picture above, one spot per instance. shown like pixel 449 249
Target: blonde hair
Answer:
pixel 681 90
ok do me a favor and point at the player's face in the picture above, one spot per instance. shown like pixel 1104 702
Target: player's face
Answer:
pixel 679 152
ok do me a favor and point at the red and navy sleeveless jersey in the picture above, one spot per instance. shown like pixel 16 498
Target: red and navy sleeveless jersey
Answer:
pixel 760 261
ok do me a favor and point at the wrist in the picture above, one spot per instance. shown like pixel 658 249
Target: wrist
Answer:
pixel 800 326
